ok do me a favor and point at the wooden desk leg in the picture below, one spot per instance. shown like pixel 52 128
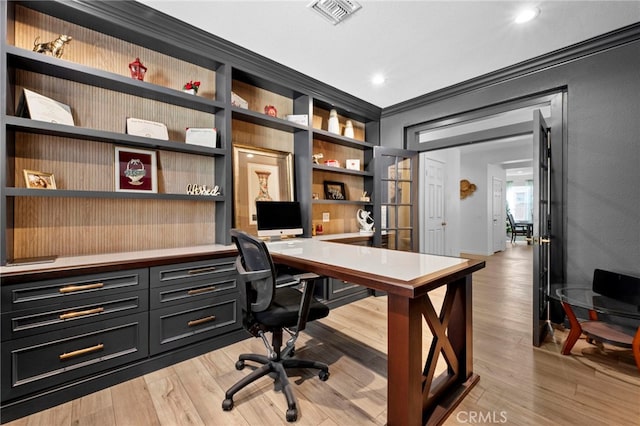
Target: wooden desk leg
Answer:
pixel 404 361
pixel 406 398
pixel 575 331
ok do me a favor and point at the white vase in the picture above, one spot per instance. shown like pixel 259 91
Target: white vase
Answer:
pixel 190 91
pixel 348 129
pixel 334 124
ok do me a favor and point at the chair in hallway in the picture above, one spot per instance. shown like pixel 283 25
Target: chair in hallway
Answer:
pixel 517 228
pixel 268 307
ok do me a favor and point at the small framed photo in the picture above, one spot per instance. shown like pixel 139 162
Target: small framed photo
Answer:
pixel 39 180
pixel 353 164
pixel 334 190
pixel 135 170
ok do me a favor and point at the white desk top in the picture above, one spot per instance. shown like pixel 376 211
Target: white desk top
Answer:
pixel 368 263
pixel 401 265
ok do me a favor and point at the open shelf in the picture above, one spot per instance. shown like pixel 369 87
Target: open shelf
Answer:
pixel 66 193
pixel 59 68
pixel 27 125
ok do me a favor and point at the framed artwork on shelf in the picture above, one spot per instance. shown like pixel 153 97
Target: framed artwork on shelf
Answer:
pixel 39 180
pixel 334 190
pixel 259 175
pixel 136 170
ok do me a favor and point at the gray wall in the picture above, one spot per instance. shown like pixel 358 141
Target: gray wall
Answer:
pixel 602 196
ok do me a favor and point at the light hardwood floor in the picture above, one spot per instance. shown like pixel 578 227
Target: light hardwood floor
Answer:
pixel 519 384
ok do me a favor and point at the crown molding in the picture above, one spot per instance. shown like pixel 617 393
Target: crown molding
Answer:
pixel 610 40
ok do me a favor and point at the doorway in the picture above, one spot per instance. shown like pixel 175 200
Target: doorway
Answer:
pixel 499 123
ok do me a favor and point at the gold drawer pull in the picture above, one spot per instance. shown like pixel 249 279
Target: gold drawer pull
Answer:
pixel 201 321
pixel 72 288
pixel 79 352
pixel 81 313
pixel 200 290
pixel 201 270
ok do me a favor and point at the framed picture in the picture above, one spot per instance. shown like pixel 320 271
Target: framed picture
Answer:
pixel 135 170
pixel 39 180
pixel 259 175
pixel 334 190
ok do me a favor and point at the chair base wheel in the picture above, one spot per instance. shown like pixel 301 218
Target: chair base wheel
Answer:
pixel 239 365
pixel 323 375
pixel 292 415
pixel 227 404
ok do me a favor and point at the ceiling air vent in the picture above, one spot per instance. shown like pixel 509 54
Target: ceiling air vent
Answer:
pixel 335 11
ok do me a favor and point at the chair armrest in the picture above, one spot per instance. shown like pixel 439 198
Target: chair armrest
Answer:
pixel 309 282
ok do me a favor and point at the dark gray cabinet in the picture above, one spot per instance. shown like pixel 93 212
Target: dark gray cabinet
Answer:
pixel 74 334
pixel 191 302
pixel 46 360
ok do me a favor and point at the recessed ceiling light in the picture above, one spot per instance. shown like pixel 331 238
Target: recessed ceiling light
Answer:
pixel 526 15
pixel 377 79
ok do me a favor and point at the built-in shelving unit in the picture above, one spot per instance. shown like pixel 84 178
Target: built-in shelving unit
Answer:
pixel 86 218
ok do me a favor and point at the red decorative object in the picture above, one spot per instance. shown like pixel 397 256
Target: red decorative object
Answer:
pixel 137 69
pixel 271 111
pixel 192 85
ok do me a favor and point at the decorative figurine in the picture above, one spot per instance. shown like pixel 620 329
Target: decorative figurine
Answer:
pixel 317 157
pixel 55 47
pixel 334 124
pixel 364 220
pixel 271 111
pixel 137 69
pixel 348 129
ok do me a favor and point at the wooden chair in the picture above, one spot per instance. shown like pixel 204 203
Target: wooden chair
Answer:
pixel 517 228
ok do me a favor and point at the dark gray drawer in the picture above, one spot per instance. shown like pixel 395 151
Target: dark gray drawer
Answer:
pixel 190 290
pixel 183 324
pixel 49 292
pixel 186 272
pixel 338 288
pixel 45 360
pixel 28 322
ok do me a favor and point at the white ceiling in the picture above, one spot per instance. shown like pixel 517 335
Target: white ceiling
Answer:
pixel 421 46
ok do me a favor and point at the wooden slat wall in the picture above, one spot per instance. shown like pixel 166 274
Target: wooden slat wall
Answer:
pixel 47 226
pixel 258 98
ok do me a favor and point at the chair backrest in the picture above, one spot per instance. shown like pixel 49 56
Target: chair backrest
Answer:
pixel 624 288
pixel 256 271
pixel 511 221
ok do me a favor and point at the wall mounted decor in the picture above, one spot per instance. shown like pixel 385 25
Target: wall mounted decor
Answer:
pixel 259 174
pixel 466 188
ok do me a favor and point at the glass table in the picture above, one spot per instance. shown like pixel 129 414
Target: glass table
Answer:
pixel 618 335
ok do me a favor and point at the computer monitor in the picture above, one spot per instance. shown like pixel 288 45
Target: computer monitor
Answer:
pixel 277 219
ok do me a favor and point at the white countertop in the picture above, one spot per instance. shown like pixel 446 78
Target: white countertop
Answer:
pixel 392 264
pixel 111 258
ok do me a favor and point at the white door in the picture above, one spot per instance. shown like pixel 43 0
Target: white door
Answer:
pixel 435 223
pixel 498 226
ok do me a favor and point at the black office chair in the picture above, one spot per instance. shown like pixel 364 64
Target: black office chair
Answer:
pixel 269 308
